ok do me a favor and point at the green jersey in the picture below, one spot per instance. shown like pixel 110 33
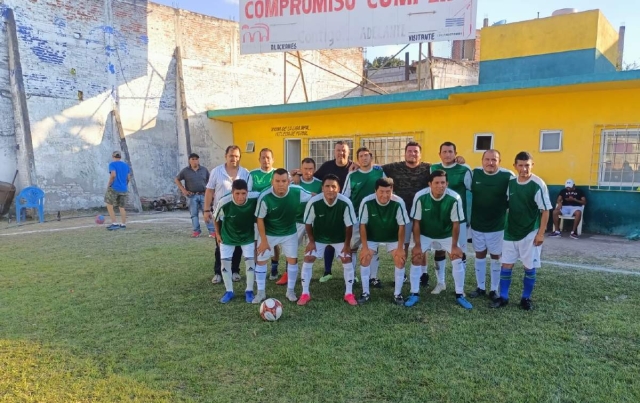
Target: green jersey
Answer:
pixel 259 180
pixel 329 221
pixel 489 204
pixel 459 178
pixel 314 187
pixel 237 220
pixel 278 212
pixel 525 202
pixel 383 221
pixel 360 184
pixel 437 216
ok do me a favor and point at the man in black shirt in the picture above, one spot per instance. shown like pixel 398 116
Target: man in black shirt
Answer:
pixel 195 178
pixel 570 202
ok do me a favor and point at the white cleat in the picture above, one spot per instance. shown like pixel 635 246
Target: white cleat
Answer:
pixel 291 295
pixel 260 296
pixel 439 288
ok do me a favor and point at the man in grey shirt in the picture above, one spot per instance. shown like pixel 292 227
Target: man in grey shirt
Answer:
pixel 195 178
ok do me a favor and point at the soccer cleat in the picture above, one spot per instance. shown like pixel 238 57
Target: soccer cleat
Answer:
pixel 499 303
pixel 555 234
pixel 291 295
pixel 398 299
pixel 212 235
pixel 304 298
pixel 351 299
pixel 462 301
pixel 479 292
pixel 113 227
pixel 228 296
pixel 236 277
pixel 412 300
pixel 326 278
pixel 364 298
pixel 439 288
pixel 493 295
pixel 273 277
pixel 217 279
pixel 375 283
pixel 526 304
pixel 123 226
pixel 284 280
pixel 573 235
pixel 260 296
pixel 424 280
pixel 248 296
pixel 195 234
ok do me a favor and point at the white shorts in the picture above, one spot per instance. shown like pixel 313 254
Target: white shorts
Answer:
pixel 435 244
pixel 301 232
pixel 320 247
pixel 524 250
pixel 288 246
pixel 462 238
pixel 356 241
pixel 226 251
pixel 570 210
pixel 391 246
pixel 488 241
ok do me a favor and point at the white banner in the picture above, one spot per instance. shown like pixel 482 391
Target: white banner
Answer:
pixel 286 25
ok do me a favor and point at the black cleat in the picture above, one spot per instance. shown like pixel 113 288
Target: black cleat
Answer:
pixel 424 280
pixel 493 295
pixel 398 300
pixel 526 304
pixel 479 292
pixel 364 298
pixel 375 283
pixel 499 303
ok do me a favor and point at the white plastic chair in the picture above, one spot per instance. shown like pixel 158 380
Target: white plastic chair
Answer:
pixel 570 217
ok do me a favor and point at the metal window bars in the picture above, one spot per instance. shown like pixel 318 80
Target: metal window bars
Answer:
pixel 615 158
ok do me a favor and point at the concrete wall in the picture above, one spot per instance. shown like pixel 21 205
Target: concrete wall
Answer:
pixel 120 54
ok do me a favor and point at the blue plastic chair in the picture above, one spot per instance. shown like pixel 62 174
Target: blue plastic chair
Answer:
pixel 30 197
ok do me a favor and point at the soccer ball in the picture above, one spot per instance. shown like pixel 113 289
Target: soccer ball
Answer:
pixel 99 219
pixel 271 309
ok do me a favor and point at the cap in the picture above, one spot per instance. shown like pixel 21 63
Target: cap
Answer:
pixel 569 183
pixel 194 155
pixel 116 154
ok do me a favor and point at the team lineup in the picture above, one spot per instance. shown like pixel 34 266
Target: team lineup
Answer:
pixel 348 209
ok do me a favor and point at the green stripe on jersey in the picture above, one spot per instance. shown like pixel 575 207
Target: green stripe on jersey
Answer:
pixel 525 202
pixel 459 178
pixel 237 221
pixel 490 202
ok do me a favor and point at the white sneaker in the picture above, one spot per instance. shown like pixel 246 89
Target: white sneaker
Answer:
pixel 273 277
pixel 217 279
pixel 236 277
pixel 291 295
pixel 260 296
pixel 439 288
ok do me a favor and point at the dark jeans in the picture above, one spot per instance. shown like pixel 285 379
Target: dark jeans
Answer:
pixel 235 260
pixel 329 255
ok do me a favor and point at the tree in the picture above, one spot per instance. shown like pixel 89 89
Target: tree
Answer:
pixel 630 66
pixel 380 61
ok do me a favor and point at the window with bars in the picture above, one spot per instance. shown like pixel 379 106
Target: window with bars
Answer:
pixel 386 149
pixel 321 150
pixel 620 158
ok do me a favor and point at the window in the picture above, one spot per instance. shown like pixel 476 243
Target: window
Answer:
pixel 385 149
pixel 551 140
pixel 482 142
pixel 321 150
pixel 620 158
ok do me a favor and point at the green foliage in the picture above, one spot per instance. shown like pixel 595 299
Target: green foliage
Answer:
pixel 381 61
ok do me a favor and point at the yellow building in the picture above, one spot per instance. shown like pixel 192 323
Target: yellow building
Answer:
pixel 580 126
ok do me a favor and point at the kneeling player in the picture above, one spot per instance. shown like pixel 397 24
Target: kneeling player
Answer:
pixel 234 222
pixel 383 218
pixel 437 213
pixel 329 220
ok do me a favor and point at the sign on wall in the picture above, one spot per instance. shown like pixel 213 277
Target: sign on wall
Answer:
pixel 286 25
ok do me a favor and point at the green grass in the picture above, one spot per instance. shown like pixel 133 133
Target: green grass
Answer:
pixel 88 315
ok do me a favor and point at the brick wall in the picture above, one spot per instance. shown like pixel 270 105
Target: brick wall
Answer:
pixel 121 52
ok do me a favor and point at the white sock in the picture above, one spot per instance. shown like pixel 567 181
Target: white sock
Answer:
pixel 414 278
pixel 250 265
pixel 226 275
pixel 261 276
pixel 495 274
pixel 481 272
pixel 375 263
pixel 292 275
pixel 349 275
pixel 399 274
pixel 307 272
pixel 365 273
pixel 458 269
pixel 424 269
pixel 440 270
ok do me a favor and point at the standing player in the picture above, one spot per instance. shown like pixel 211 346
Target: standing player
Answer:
pixel 383 218
pixel 459 180
pixel 329 220
pixel 117 187
pixel 488 212
pixel 437 217
pixel 276 220
pixel 360 184
pixel 234 221
pixel 527 219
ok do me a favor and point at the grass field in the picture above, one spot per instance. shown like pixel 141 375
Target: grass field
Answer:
pixel 92 316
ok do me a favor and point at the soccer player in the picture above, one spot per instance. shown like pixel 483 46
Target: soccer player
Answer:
pixel 527 219
pixel 329 220
pixel 360 184
pixel 234 219
pixel 276 220
pixel 259 180
pixel 459 180
pixel 488 213
pixel 437 217
pixel 383 218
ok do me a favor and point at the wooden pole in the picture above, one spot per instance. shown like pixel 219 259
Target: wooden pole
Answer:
pixel 304 85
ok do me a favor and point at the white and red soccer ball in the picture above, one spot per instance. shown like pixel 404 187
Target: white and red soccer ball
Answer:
pixel 271 309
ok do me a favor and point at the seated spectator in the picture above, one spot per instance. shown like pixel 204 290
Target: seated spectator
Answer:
pixel 570 202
